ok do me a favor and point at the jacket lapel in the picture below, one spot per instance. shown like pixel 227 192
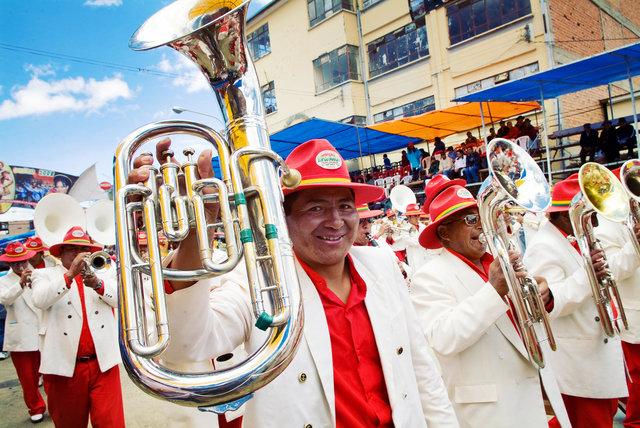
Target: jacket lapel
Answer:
pixel 316 333
pixel 472 282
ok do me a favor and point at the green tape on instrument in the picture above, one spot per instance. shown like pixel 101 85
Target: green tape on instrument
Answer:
pixel 246 236
pixel 270 231
pixel 240 199
pixel 264 321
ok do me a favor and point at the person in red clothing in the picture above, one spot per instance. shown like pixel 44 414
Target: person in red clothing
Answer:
pixel 79 348
pixel 361 361
pixel 23 322
pixel 40 259
pixel 364 237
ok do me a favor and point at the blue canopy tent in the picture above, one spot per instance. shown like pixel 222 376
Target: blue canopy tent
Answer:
pixel 601 69
pixel 352 141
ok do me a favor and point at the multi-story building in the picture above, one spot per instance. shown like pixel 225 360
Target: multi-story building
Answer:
pixel 367 61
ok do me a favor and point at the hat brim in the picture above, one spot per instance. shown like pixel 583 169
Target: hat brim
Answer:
pixel 363 193
pixel 557 209
pixel 26 256
pixel 429 238
pixel 369 214
pixel 54 250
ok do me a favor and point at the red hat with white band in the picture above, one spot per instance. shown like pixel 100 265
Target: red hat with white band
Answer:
pixel 365 212
pixel 450 200
pixel 35 244
pixel 75 236
pixel 563 192
pixel 16 252
pixel 320 165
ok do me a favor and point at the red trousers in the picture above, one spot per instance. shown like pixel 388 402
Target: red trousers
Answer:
pixel 27 365
pixel 88 394
pixel 632 357
pixel 590 412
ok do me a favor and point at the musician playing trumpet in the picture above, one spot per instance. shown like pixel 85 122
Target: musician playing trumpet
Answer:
pixel 460 298
pixel 362 361
pixel 589 366
pixel 80 342
pixel 22 324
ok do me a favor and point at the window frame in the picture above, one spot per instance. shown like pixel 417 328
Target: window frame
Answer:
pixel 269 88
pixel 253 41
pixel 413 108
pixel 317 13
pixel 324 67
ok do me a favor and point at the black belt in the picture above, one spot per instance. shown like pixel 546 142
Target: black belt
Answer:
pixel 86 358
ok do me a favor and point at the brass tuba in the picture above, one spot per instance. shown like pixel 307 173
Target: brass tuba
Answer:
pixel 211 33
pixel 515 180
pixel 600 193
pixel 630 178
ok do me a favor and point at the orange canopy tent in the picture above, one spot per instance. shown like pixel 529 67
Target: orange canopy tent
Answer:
pixel 460 118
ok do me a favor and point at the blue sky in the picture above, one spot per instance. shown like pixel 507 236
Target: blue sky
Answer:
pixel 71 89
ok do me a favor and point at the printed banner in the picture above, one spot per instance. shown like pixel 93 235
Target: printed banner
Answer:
pixel 24 186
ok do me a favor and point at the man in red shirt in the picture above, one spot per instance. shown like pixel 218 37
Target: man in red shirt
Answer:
pixel 362 361
pixel 79 348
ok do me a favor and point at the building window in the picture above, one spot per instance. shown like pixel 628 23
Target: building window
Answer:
pixel 259 43
pixel 323 9
pixel 398 48
pixel 336 67
pixel 269 98
pixel 412 109
pixel 355 120
pixel 472 17
pixel 494 80
pixel 369 3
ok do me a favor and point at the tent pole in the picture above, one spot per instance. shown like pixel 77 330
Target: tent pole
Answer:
pixel 360 148
pixel 546 133
pixel 484 130
pixel 633 103
pixel 489 111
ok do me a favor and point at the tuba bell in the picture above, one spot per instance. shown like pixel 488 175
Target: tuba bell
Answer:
pixel 212 34
pixel 515 180
pixel 602 193
pixel 630 179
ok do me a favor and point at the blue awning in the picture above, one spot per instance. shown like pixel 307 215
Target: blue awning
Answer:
pixel 597 70
pixel 352 141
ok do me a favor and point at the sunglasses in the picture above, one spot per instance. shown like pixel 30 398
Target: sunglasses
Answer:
pixel 469 219
pixel 368 220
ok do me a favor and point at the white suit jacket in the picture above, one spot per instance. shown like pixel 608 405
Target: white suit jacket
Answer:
pixel 416 392
pixel 624 263
pixel 587 363
pixel 416 254
pixel 23 318
pixel 62 320
pixel 484 362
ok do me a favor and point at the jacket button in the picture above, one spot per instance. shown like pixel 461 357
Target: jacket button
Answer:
pixel 68 316
pixel 69 302
pixel 102 326
pixel 308 426
pixel 404 395
pixel 96 312
pixel 302 377
pixel 399 350
pixel 65 333
pixel 606 340
pixel 597 318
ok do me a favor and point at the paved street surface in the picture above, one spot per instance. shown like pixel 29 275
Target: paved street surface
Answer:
pixel 140 409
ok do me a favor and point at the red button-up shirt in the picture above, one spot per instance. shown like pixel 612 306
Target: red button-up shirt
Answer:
pixel 361 398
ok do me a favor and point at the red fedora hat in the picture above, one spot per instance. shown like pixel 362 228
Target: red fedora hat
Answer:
pixel 16 252
pixel 412 209
pixel 320 165
pixel 436 185
pixel 35 244
pixel 74 236
pixel 450 200
pixel 562 194
pixel 365 212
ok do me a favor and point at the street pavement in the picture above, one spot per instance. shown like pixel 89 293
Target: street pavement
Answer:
pixel 140 410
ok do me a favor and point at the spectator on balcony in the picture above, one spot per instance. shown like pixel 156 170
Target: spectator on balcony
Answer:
pixel 434 167
pixel 588 143
pixel 414 156
pixel 473 164
pixel 609 142
pixel 404 160
pixel 387 162
pixel 626 136
pixel 460 164
pixel 471 139
pixel 514 131
pixel 438 145
pixel 446 165
pixel 503 130
pixel 492 135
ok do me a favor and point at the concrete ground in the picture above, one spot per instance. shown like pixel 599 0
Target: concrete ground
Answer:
pixel 140 410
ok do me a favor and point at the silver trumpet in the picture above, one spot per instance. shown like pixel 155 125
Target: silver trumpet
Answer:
pixel 515 179
pixel 98 262
pixel 600 193
pixel 251 215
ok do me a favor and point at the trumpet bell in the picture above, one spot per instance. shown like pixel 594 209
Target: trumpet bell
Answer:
pixel 603 191
pixel 630 178
pixel 54 215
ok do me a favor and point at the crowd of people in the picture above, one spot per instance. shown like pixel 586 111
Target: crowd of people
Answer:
pixel 605 147
pixel 409 319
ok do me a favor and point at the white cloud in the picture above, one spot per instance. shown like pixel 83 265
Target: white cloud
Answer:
pixel 100 3
pixel 189 77
pixel 41 97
